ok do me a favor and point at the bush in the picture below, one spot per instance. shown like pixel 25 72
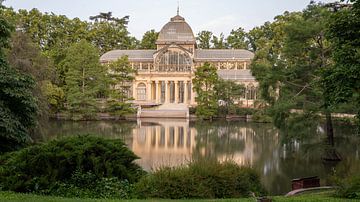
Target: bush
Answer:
pixel 201 179
pixel 349 188
pixel 39 167
pixel 88 185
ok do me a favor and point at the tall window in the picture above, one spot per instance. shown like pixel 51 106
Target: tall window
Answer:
pixel 173 61
pixel 141 91
pixel 251 92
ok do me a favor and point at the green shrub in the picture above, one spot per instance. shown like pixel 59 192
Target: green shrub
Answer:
pixel 245 111
pixel 201 179
pixel 39 167
pixel 88 185
pixel 349 188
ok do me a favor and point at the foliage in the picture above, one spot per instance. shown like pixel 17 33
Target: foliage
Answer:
pixel 18 107
pixel 85 79
pixel 229 91
pixel 349 188
pixel 56 162
pixel 109 33
pixel 55 97
pixel 121 75
pixel 289 67
pixel 219 42
pixel 149 39
pixel 342 81
pixel 88 185
pixel 204 39
pixel 201 179
pixel 26 57
pixel 205 80
pixel 237 39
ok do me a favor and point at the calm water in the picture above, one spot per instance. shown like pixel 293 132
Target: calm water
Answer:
pixel 176 142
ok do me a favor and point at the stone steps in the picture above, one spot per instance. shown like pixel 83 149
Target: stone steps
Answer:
pixel 168 110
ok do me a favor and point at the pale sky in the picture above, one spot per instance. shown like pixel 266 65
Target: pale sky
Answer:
pixel 213 15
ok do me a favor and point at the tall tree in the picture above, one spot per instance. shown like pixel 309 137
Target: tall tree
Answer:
pixel 149 39
pixel 205 80
pixel 219 42
pixel 121 74
pixel 204 39
pixel 342 81
pixel 238 39
pixel 85 79
pixel 17 104
pixel 289 69
pixel 26 57
pixel 110 33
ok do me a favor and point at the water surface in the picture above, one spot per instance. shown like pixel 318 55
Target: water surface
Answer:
pixel 174 142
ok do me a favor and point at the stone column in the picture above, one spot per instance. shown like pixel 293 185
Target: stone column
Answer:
pixel 134 90
pixel 148 90
pixel 176 92
pixel 167 92
pixel 193 94
pixel 157 91
pixel 186 92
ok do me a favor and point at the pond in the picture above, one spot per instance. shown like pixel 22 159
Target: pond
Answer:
pixel 173 142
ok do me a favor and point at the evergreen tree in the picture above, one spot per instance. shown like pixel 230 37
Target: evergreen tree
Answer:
pixel 120 77
pixel 205 80
pixel 85 79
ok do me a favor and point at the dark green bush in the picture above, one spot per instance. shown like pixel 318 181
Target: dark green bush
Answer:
pixel 201 179
pixel 245 111
pixel 88 185
pixel 349 187
pixel 39 167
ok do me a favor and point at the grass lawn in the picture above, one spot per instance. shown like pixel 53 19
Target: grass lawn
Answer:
pixel 14 197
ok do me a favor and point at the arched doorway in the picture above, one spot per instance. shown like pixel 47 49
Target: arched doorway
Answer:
pixel 141 91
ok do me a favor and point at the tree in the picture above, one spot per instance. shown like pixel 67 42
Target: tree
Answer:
pixel 26 57
pixel 238 39
pixel 121 74
pixel 229 92
pixel 149 39
pixel 289 68
pixel 342 81
pixel 109 33
pixel 18 107
pixel 204 39
pixel 205 80
pixel 219 42
pixel 85 78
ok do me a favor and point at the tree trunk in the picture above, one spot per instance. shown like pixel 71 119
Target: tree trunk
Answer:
pixel 83 81
pixel 329 129
pixel 330 152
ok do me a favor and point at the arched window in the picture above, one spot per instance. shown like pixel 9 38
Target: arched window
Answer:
pixel 251 92
pixel 141 91
pixel 173 61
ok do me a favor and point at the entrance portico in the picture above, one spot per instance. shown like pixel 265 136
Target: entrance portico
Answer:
pixel 164 90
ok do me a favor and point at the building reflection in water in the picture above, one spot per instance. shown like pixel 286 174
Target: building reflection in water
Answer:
pixel 163 142
pixel 172 142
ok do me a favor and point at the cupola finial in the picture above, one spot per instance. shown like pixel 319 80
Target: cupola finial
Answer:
pixel 178 8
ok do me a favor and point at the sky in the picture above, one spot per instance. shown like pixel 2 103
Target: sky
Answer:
pixel 218 16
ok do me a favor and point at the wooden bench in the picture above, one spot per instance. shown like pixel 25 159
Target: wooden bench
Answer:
pixel 303 183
